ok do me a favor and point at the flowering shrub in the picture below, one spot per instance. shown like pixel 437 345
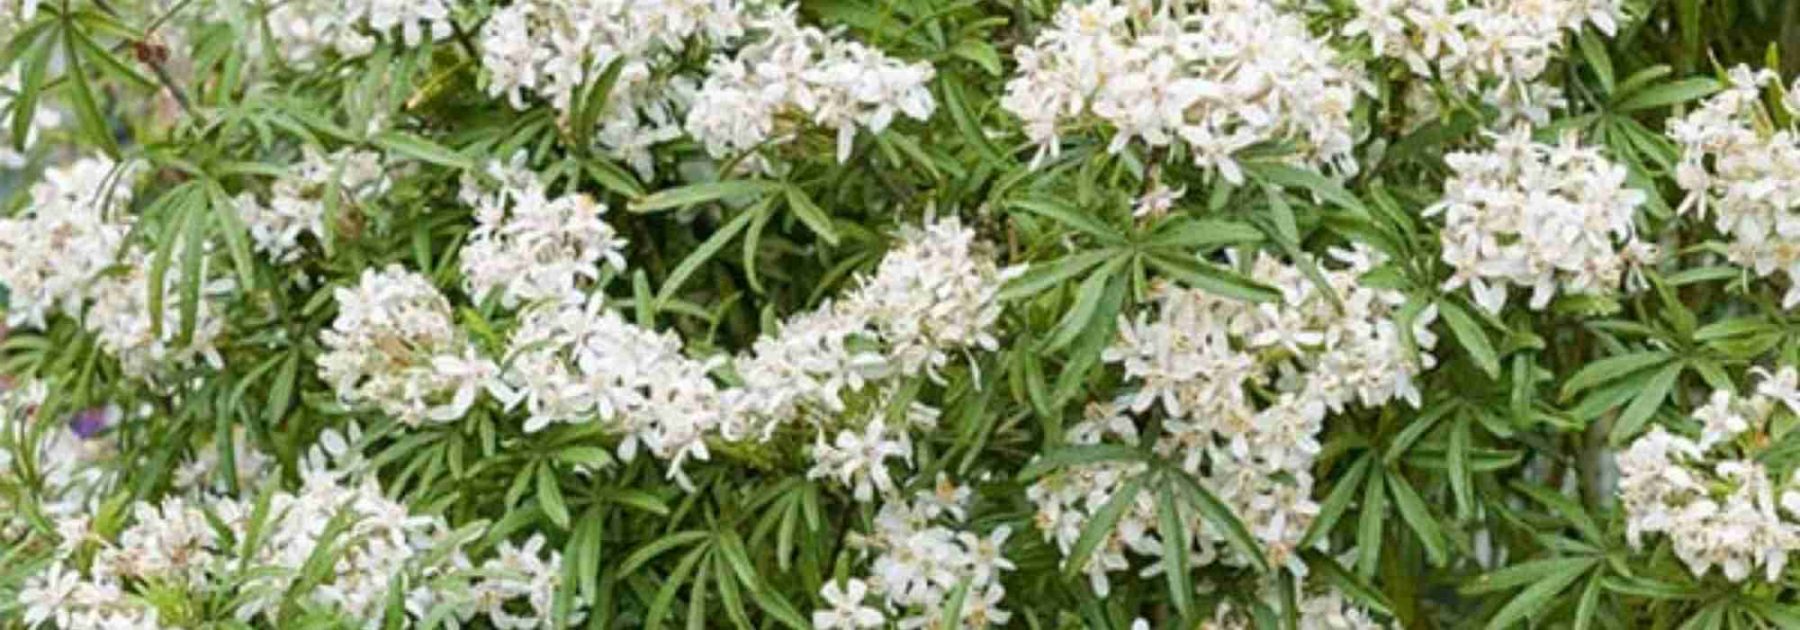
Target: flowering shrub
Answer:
pixel 905 314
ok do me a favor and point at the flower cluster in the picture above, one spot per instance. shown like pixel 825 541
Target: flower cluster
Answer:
pixel 259 554
pixel 1244 390
pixel 301 32
pixel 1317 609
pixel 72 229
pixel 298 201
pixel 395 346
pixel 1235 74
pixel 934 294
pixel 1495 49
pixel 555 49
pixel 528 247
pixel 923 553
pixel 69 252
pixel 1712 497
pixel 829 81
pixel 578 362
pixel 1737 165
pixel 1538 216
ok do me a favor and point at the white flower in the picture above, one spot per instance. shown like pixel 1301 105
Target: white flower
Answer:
pixel 555 48
pixel 580 362
pixel 833 83
pixel 847 610
pixel 1244 390
pixel 1713 498
pixel 1547 218
pixel 1233 74
pixel 1747 174
pixel 395 346
pixel 1498 50
pixel 297 202
pixel 919 561
pixel 68 254
pixel 527 247
pixel 303 31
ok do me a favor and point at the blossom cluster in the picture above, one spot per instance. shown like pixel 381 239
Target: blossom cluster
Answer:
pixel 299 201
pixel 1244 390
pixel 395 345
pixel 1745 170
pixel 528 247
pixel 69 252
pixel 935 294
pixel 555 49
pixel 302 32
pixel 1317 609
pixel 1224 78
pixel 258 554
pixel 1495 49
pixel 804 71
pixel 1713 497
pixel 923 552
pixel 764 65
pixel 1544 217
pixel 581 362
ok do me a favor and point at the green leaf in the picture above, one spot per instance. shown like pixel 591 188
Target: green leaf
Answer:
pixel 979 52
pixel 1172 528
pixel 1291 177
pixel 1594 51
pixel 1535 598
pixel 549 494
pixel 1041 277
pixel 1611 369
pixel 1469 334
pixel 1101 526
pixel 1191 234
pixel 811 214
pixel 1087 302
pixel 1212 278
pixel 1369 525
pixel 1528 572
pixel 419 148
pixel 1669 93
pixel 1342 491
pixel 1220 516
pixel 652 549
pixel 684 196
pixel 1645 404
pixel 701 255
pixel 1416 515
pixel 1073 217
pixel 1066 456
pixel 87 109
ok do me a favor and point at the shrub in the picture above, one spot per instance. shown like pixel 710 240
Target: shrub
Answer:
pixel 914 314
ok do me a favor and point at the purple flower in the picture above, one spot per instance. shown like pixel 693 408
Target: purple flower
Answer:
pixel 89 422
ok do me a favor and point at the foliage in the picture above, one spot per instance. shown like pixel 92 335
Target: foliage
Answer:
pixel 852 313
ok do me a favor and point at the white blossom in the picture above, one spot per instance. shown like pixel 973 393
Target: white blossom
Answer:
pixel 395 346
pixel 298 201
pixel 1216 80
pixel 528 247
pixel 1197 358
pixel 1542 217
pixel 1745 171
pixel 1712 498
